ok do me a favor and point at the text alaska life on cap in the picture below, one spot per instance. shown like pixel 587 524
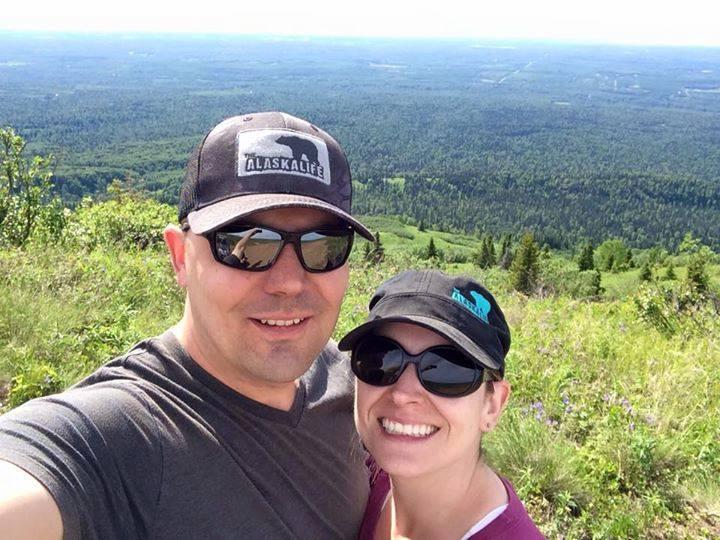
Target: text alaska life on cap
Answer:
pixel 255 163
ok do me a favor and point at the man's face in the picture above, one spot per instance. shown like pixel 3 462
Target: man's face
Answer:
pixel 261 328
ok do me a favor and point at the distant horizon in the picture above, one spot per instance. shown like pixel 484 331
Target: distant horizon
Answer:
pixel 610 22
pixel 375 38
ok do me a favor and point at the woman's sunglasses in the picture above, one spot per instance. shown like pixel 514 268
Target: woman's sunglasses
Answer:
pixel 256 248
pixel 444 370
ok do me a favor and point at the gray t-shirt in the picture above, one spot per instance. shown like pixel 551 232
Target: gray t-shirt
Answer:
pixel 152 446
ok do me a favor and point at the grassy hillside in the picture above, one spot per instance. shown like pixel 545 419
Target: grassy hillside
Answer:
pixel 612 429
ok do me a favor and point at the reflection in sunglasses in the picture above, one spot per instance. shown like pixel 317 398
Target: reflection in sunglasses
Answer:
pixel 316 250
pixel 257 248
pixel 239 250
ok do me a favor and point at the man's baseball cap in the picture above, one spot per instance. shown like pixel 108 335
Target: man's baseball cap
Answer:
pixel 262 161
pixel 456 307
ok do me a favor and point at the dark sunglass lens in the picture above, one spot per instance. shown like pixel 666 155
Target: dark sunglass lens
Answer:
pixel 448 372
pixel 325 250
pixel 249 248
pixel 377 361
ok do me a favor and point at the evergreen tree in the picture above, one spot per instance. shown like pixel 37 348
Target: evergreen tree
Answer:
pixel 505 252
pixel 506 260
pixel 597 283
pixel 505 243
pixel 480 256
pixel 670 274
pixel 367 250
pixel 586 261
pixel 645 272
pixel 525 267
pixel 491 256
pixel 485 256
pixel 629 261
pixel 378 249
pixel 610 263
pixel 697 277
pixel 697 255
pixel 431 252
pixel 374 253
pixel 421 227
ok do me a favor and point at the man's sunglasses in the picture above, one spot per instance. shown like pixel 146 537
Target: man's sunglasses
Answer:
pixel 255 248
pixel 444 370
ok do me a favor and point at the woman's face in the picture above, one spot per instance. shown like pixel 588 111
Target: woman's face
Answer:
pixel 446 432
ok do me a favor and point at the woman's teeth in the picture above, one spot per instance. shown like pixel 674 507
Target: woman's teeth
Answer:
pixel 276 322
pixel 412 430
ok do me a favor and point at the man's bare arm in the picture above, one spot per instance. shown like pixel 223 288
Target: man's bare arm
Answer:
pixel 27 510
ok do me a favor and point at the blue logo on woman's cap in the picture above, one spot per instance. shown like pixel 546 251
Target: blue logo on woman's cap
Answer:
pixel 480 308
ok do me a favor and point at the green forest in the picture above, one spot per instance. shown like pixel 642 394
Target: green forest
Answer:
pixel 575 142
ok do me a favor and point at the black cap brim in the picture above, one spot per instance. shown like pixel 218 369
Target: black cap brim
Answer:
pixel 226 211
pixel 452 334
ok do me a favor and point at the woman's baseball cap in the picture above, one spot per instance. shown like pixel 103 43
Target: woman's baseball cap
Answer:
pixel 456 307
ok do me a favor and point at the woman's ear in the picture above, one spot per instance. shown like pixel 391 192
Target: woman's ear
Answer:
pixel 175 242
pixel 496 397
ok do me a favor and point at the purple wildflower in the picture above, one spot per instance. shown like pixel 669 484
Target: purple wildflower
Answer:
pixel 626 406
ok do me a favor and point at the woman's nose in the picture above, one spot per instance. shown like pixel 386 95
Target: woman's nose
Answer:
pixel 407 388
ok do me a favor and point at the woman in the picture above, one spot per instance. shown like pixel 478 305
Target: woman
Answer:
pixel 430 366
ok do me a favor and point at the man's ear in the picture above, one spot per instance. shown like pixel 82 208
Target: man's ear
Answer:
pixel 175 242
pixel 494 404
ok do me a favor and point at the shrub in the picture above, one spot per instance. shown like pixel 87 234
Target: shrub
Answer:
pixel 558 276
pixel 670 274
pixel 37 381
pixel 612 255
pixel 128 220
pixel 457 256
pixel 670 311
pixel 26 192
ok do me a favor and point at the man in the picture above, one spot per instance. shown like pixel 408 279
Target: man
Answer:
pixel 237 422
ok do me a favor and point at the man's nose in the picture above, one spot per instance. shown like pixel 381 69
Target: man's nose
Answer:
pixel 286 276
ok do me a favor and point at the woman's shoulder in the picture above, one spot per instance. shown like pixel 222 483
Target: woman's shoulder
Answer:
pixel 514 522
pixel 379 490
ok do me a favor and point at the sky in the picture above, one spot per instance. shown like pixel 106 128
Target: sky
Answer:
pixel 646 22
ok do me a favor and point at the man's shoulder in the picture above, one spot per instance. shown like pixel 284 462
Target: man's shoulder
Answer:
pixel 336 362
pixel 111 405
pixel 125 386
pixel 329 377
pixel 332 356
pixel 148 362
